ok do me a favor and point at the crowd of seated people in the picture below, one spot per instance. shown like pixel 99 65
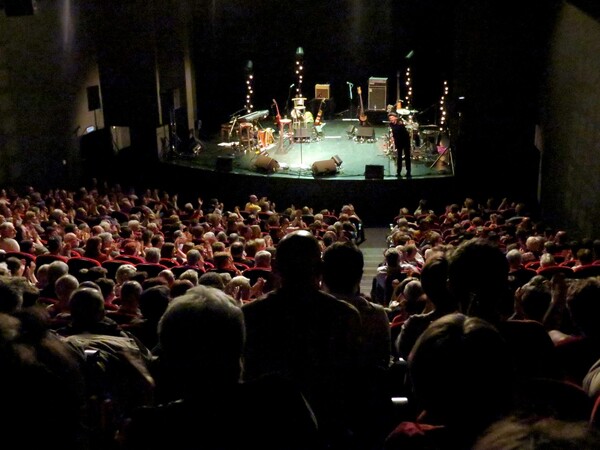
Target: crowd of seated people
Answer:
pixel 489 291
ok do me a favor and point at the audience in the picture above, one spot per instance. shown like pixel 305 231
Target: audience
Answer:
pixel 296 277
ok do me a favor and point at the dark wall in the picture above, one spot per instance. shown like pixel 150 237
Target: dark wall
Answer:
pixel 571 122
pixel 500 51
pixel 342 40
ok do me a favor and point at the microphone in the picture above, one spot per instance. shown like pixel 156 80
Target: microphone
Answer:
pixel 347 82
pixel 292 85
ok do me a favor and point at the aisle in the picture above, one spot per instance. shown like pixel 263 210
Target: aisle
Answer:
pixel 372 250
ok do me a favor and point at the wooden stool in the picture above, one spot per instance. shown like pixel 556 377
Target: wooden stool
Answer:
pixel 246 136
pixel 282 125
pixel 225 130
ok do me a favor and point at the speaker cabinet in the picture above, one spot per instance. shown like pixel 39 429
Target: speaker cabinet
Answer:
pixel 377 94
pixel 224 163
pixel 365 133
pixel 373 172
pixel 325 167
pixel 267 164
pixel 302 133
pixel 93 97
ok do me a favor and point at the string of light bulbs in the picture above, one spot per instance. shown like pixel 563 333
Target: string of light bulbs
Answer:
pixel 299 70
pixel 443 117
pixel 249 87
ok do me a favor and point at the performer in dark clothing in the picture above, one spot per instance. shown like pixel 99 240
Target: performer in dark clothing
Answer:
pixel 401 142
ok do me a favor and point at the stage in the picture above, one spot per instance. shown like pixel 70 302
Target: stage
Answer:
pixel 363 170
pixel 359 152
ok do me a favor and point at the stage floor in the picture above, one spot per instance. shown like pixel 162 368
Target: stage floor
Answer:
pixel 295 156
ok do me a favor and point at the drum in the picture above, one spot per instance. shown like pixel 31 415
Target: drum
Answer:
pixel 262 139
pixel 269 137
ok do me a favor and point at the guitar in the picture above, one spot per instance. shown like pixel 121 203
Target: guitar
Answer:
pixel 398 102
pixel 278 117
pixel 362 117
pixel 320 113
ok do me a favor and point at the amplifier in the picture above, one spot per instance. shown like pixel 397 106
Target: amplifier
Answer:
pixel 377 100
pixel 322 91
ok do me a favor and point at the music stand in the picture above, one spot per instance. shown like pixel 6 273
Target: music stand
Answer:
pixel 448 151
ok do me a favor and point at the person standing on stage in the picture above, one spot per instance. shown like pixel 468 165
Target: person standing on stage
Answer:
pixel 401 143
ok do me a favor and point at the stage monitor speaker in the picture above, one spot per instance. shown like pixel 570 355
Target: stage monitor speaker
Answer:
pixel 267 164
pixel 325 167
pixel 301 133
pixel 18 7
pixel 373 172
pixel 224 163
pixel 377 94
pixel 365 132
pixel 93 97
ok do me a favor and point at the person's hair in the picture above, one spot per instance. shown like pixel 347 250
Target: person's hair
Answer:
pixel 212 279
pixel 57 269
pixel 87 307
pixel 543 433
pixel 478 279
pixel 343 264
pixel 392 257
pixel 130 289
pixel 514 257
pixel 124 273
pixel 65 286
pixel 262 258
pixel 193 257
pixel 236 248
pixel 433 281
pixel 583 304
pixel 462 363
pixel 180 287
pixel 153 255
pixel 221 259
pixel 298 258
pixel 107 286
pixel 13 264
pixel 168 250
pixel 154 301
pixel 11 298
pixel 535 296
pixel 191 275
pixel 201 337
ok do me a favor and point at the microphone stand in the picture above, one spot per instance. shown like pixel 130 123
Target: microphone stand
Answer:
pixel 350 86
pixel 287 102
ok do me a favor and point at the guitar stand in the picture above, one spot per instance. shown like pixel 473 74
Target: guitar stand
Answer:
pixel 448 151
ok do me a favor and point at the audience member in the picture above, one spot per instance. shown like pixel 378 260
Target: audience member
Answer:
pixel 201 340
pixel 462 379
pixel 307 336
